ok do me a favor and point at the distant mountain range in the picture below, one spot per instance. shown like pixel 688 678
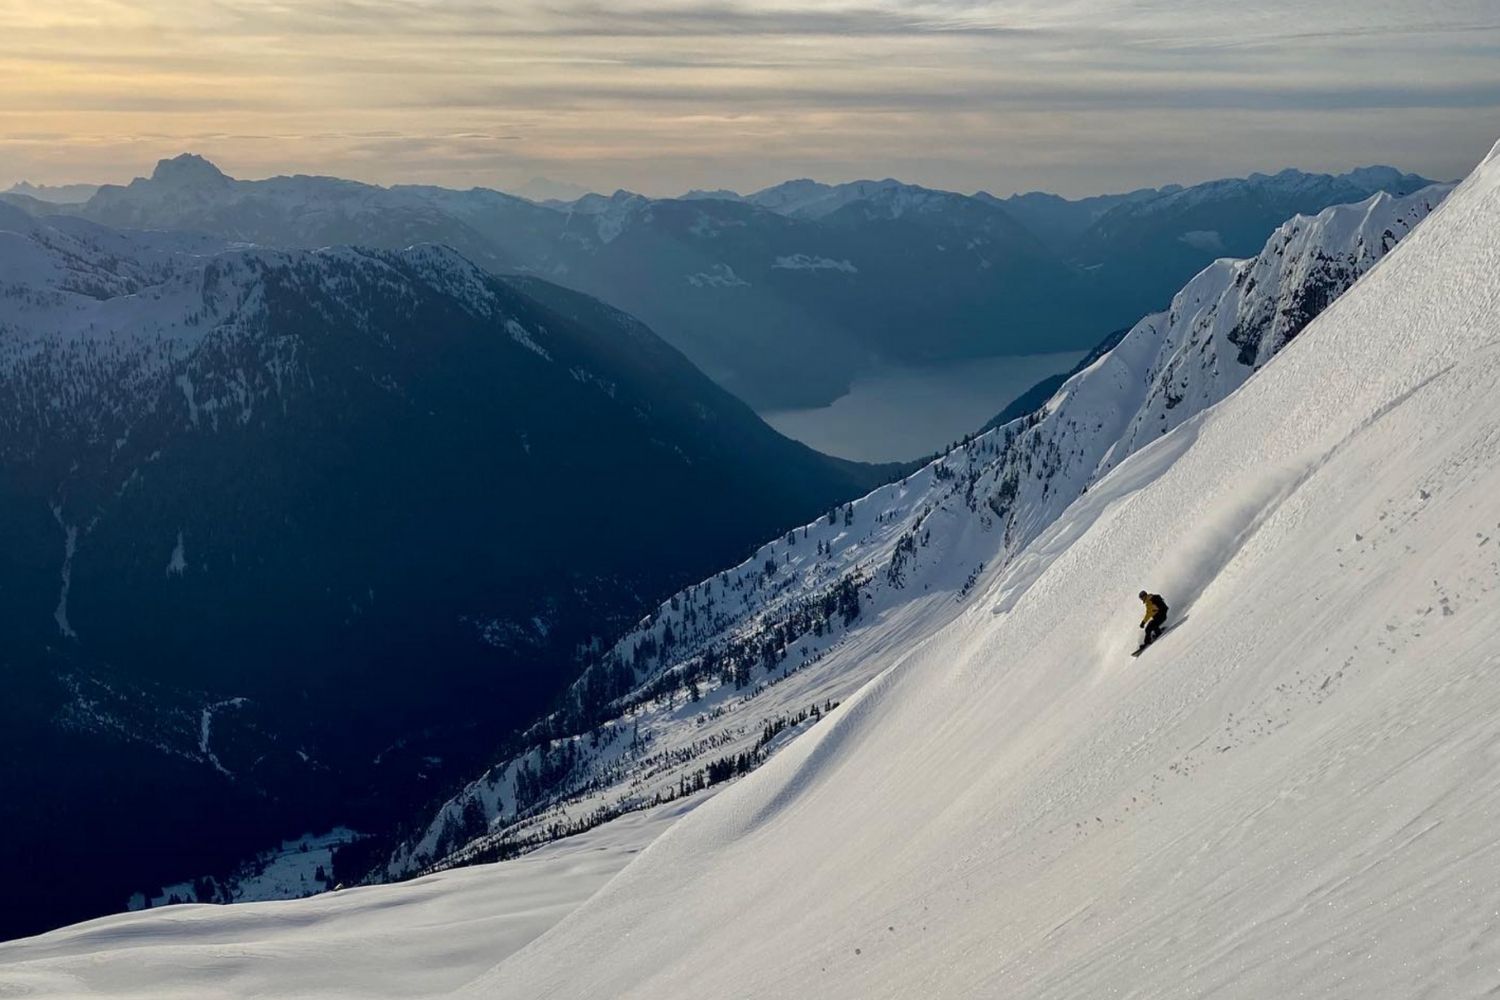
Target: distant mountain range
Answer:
pixel 62 194
pixel 1137 246
pixel 786 295
pixel 295 537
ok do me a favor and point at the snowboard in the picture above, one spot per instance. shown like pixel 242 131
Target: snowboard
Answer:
pixel 1165 629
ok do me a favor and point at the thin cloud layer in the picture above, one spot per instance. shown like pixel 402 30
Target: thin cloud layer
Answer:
pixel 1072 95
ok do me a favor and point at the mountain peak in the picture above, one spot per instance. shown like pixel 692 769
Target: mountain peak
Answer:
pixel 1383 178
pixel 813 199
pixel 717 194
pixel 188 169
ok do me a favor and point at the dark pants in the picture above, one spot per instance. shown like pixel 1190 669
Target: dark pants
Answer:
pixel 1153 628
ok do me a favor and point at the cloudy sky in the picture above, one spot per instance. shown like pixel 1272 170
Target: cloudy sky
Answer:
pixel 1074 96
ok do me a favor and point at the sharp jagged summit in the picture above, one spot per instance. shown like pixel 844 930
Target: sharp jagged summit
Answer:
pixel 189 170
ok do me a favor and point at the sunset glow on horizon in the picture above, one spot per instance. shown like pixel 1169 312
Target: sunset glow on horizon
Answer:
pixel 1076 97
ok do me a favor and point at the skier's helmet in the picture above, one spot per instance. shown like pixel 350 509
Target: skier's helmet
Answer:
pixel 1142 595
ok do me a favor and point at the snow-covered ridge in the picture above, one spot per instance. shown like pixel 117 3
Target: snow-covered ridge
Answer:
pixel 703 679
pixel 810 199
pixel 508 233
pixel 93 321
pixel 1291 181
pixel 60 194
pixel 1235 315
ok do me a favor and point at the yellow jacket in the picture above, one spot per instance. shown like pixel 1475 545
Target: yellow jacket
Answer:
pixel 1154 606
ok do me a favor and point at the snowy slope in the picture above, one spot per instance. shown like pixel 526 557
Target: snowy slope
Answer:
pixel 918 544
pixel 415 939
pixel 1294 795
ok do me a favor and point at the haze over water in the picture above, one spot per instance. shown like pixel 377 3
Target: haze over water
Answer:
pixel 897 414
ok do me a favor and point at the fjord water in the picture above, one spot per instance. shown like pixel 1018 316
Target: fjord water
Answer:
pixel 902 412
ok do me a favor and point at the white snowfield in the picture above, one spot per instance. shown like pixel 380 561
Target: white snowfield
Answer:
pixel 1295 795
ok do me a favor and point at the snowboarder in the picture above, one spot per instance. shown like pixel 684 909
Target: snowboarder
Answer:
pixel 1155 618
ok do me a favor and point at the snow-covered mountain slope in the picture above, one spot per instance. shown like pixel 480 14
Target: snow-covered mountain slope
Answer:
pixel 1294 794
pixel 713 675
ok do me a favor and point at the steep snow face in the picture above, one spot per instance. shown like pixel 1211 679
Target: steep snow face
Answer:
pixel 715 673
pixel 1293 794
pixel 1236 315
